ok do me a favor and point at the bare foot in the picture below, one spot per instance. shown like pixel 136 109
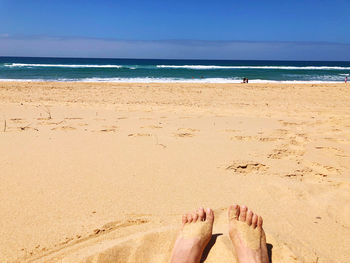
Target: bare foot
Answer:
pixel 247 235
pixel 194 235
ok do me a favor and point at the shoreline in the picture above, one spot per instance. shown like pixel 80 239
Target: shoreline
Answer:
pixel 144 81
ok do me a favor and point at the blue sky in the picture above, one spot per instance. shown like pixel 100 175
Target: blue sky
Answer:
pixel 246 29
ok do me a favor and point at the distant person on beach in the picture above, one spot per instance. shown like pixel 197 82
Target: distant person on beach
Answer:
pixel 245 231
pixel 346 79
pixel 245 80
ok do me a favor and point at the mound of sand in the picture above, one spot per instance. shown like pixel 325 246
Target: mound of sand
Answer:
pixel 155 246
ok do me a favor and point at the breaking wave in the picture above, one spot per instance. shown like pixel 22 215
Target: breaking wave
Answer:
pixel 252 67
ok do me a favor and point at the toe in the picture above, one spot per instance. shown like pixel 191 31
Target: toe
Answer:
pixel 195 217
pixel 249 217
pixel 254 221
pixel 184 219
pixel 233 212
pixel 260 221
pixel 189 218
pixel 243 213
pixel 201 214
pixel 209 214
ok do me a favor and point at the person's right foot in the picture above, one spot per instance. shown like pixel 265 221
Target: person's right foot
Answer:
pixel 247 235
pixel 194 235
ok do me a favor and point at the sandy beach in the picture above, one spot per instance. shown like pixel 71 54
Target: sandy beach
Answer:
pixel 98 172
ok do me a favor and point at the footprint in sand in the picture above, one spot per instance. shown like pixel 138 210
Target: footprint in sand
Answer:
pixel 17 120
pixel 299 173
pixel 330 149
pixel 51 122
pixel 336 140
pixel 268 139
pixel 282 131
pixel 25 128
pixel 324 170
pixel 64 128
pixel 112 128
pixel 73 118
pixel 247 167
pixel 286 123
pixel 255 138
pixel 285 151
pixel 186 132
pixel 83 124
pixel 152 127
pixel 108 130
pixel 242 138
pixel 139 135
pixel 314 170
pixel 6 127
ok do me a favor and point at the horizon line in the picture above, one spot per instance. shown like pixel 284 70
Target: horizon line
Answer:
pixel 280 60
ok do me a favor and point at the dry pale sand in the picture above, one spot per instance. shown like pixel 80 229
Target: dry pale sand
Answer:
pixel 95 172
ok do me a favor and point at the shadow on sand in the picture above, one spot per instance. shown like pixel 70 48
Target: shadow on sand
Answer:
pixel 269 251
pixel 213 240
pixel 209 246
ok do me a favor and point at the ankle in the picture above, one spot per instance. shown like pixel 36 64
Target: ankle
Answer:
pixel 251 256
pixel 187 251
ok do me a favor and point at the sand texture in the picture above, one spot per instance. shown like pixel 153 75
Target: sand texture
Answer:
pixel 102 172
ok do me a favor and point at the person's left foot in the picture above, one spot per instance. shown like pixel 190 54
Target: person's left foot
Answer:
pixel 247 235
pixel 194 236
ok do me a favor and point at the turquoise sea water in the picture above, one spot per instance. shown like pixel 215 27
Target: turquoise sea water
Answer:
pixel 154 70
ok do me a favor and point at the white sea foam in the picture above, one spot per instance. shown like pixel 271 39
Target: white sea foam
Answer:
pixel 23 80
pixel 199 67
pixel 163 80
pixel 195 67
pixel 60 65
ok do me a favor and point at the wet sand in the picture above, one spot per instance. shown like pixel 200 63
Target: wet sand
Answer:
pixel 104 171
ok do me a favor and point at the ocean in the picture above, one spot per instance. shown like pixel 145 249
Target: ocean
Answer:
pixel 160 70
